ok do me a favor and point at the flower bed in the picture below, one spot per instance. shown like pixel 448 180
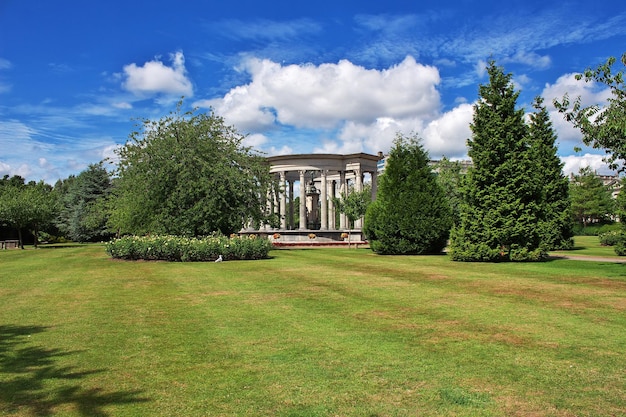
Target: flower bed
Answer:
pixel 181 249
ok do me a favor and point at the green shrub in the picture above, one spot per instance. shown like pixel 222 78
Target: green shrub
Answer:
pixel 181 249
pixel 610 238
pixel 619 243
pixel 595 229
pixel 411 214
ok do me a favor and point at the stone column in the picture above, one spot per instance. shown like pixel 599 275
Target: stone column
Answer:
pixel 283 201
pixel 275 205
pixel 331 206
pixel 324 201
pixel 268 207
pixel 343 189
pixel 358 180
pixel 358 187
pixel 291 225
pixel 374 185
pixel 302 200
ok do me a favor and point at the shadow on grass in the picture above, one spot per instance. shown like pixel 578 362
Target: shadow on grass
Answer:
pixel 25 370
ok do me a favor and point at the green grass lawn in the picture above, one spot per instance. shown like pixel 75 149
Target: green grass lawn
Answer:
pixel 320 332
pixel 588 246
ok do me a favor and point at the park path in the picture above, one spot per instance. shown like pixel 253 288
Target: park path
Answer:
pixel 590 258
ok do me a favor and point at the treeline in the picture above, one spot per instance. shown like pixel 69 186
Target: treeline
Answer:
pixel 513 204
pixel 190 175
pixel 186 175
pixel 74 209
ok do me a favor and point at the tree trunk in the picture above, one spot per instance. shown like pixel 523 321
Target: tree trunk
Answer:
pixel 36 233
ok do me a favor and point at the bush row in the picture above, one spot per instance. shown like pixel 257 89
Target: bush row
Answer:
pixel 615 238
pixel 181 249
pixel 611 238
pixel 595 229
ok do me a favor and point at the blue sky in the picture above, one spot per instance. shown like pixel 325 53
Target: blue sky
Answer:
pixel 325 76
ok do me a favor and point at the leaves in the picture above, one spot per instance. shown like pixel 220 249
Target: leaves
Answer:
pixel 500 212
pixel 411 214
pixel 603 125
pixel 188 174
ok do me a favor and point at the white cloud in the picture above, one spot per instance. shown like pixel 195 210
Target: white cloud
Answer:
pixel 531 59
pixel 30 152
pixel 264 29
pixel 123 105
pixel 255 140
pixel 448 134
pixel 573 163
pixel 352 109
pixel 154 77
pixel 481 68
pixel 589 93
pixel 283 150
pixel 324 96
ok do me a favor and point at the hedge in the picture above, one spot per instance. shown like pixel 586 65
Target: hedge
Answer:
pixel 182 249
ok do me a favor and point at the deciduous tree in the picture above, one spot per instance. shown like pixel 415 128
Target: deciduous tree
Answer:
pixel 26 206
pixel 354 205
pixel 188 174
pixel 591 200
pixel 603 127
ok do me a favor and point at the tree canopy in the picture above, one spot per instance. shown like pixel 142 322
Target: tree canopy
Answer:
pixel 410 214
pixel 501 210
pixel 555 213
pixel 84 213
pixel 591 199
pixel 187 174
pixel 603 127
pixel 26 206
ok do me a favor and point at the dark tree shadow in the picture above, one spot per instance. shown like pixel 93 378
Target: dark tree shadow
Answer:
pixel 25 368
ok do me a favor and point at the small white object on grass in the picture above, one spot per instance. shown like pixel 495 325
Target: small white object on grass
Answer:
pixel 219 259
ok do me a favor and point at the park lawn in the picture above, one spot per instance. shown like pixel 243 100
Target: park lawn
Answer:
pixel 588 246
pixel 319 332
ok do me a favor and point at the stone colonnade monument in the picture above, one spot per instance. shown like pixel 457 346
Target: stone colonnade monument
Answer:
pixel 320 179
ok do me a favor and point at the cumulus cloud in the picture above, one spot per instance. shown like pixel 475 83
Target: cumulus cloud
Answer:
pixel 573 164
pixel 589 93
pixel 327 95
pixel 154 77
pixel 345 108
pixel 447 135
pixel 255 140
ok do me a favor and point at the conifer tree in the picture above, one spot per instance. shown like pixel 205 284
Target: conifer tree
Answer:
pixel 556 218
pixel 591 199
pixel 500 213
pixel 410 214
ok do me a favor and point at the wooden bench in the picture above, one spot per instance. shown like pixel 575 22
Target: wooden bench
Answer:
pixel 9 244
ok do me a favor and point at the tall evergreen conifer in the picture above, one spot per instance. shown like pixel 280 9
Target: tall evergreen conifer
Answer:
pixel 410 214
pixel 556 223
pixel 501 210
